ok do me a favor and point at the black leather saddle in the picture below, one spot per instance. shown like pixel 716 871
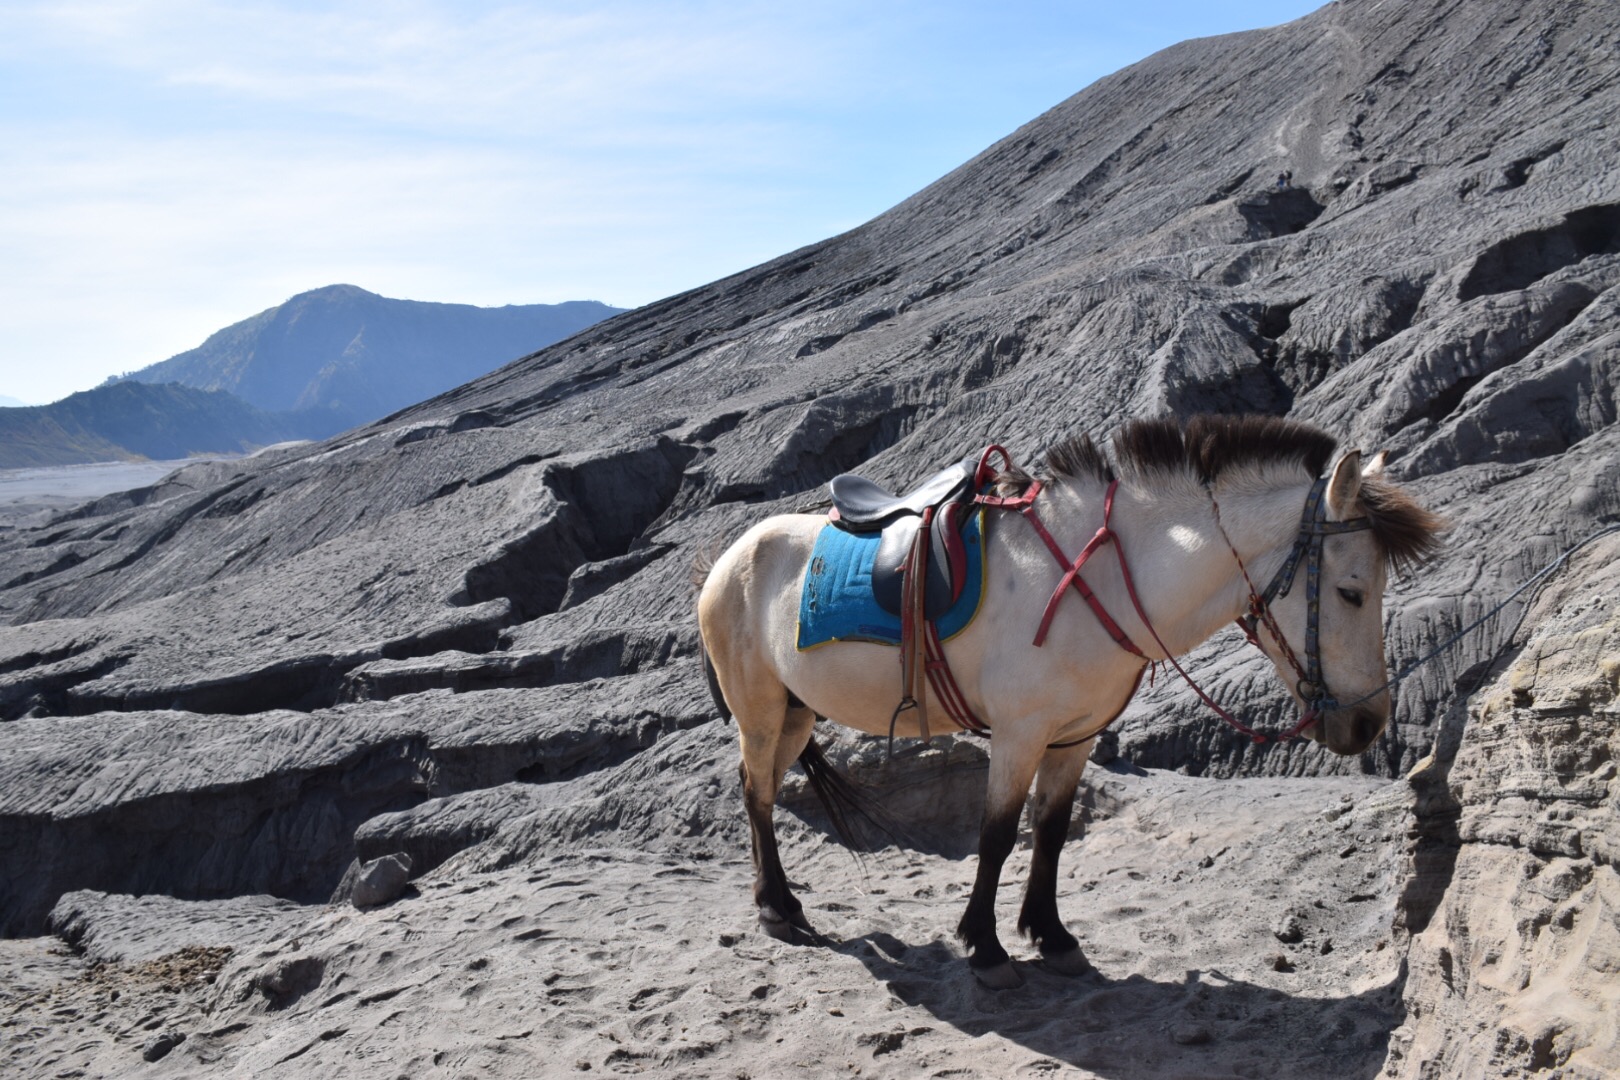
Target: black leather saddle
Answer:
pixel 944 501
pixel 865 507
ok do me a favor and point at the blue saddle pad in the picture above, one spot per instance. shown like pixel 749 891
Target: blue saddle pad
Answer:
pixel 836 603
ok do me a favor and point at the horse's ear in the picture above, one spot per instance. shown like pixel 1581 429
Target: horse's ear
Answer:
pixel 1374 469
pixel 1345 485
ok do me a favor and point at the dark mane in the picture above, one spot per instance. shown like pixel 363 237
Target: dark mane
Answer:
pixel 1078 456
pixel 1205 447
pixel 1208 445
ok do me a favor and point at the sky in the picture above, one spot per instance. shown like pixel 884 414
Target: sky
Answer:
pixel 170 167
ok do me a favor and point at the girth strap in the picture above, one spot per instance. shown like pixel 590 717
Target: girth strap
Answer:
pixel 913 665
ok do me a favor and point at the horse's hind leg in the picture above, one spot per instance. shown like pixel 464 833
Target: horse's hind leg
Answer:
pixel 772 727
pixel 1011 769
pixel 1055 784
pixel 767 750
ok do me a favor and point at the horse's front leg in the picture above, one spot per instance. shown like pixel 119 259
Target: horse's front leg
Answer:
pixel 1053 807
pixel 1012 767
pixel 764 762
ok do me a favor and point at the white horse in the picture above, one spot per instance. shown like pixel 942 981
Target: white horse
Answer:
pixel 1201 512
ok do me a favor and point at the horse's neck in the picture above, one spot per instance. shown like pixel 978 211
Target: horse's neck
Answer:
pixel 1185 574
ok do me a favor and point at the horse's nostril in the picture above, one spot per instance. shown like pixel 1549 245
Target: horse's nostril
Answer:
pixel 1367 727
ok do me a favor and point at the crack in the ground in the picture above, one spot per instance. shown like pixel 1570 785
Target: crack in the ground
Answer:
pixel 237 839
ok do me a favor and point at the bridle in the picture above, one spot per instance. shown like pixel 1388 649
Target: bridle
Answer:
pixel 1314 529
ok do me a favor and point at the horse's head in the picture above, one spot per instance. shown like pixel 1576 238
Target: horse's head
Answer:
pixel 1384 528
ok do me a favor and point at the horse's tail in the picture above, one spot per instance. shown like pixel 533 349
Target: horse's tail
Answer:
pixel 714 683
pixel 702 566
pixel 841 799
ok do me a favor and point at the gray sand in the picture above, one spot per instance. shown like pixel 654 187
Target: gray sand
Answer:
pixel 29 496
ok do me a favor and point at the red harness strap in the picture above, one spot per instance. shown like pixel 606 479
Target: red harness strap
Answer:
pixel 1025 504
pixel 1130 587
pixel 944 683
pixel 938 668
pixel 922 654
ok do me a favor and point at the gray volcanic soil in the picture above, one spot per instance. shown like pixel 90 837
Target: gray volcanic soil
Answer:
pixel 464 634
pixel 586 957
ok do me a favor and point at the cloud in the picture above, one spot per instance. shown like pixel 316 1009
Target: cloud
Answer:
pixel 531 69
pixel 512 156
pixel 116 236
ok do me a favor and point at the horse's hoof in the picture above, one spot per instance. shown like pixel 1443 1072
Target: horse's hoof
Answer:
pixel 1072 962
pixel 771 921
pixel 1000 977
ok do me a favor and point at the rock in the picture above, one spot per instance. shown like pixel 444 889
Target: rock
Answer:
pixel 1290 930
pixel 114 929
pixel 285 980
pixel 929 796
pixel 1192 1035
pixel 270 803
pixel 1106 748
pixel 883 1042
pixel 158 1048
pixel 1338 810
pixel 1511 898
pixel 381 880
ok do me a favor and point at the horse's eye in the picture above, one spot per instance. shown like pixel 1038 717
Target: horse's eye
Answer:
pixel 1351 596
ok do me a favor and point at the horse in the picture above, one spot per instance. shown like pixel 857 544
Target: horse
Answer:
pixel 1201 510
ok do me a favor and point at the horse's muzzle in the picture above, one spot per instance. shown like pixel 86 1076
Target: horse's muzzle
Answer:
pixel 1351 731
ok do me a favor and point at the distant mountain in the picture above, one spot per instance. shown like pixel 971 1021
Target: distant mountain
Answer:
pixel 348 356
pixel 9 402
pixel 130 420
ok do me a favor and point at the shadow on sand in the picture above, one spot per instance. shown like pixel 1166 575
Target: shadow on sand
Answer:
pixel 1206 1025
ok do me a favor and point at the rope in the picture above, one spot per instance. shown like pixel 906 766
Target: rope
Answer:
pixel 1535 578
